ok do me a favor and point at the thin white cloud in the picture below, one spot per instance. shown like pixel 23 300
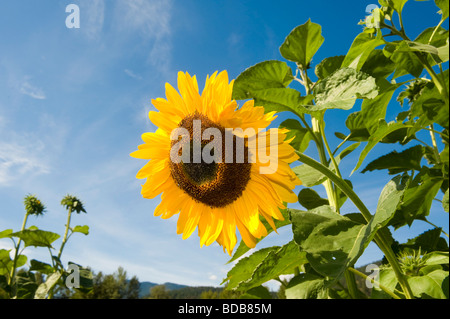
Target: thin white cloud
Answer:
pixel 92 14
pixel 152 21
pixel 18 160
pixel 132 74
pixel 28 89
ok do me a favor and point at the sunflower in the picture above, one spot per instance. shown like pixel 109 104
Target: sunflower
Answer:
pixel 216 196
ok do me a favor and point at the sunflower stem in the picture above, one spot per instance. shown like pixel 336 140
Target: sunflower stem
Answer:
pixel 16 254
pixel 379 238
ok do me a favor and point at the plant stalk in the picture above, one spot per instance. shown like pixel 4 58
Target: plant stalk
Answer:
pixel 16 254
pixel 378 238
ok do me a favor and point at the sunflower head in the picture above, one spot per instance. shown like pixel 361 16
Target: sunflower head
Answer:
pixel 206 159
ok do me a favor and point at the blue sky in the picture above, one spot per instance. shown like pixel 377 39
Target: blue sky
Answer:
pixel 74 103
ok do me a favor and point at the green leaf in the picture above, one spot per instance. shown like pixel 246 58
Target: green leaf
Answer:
pixel 306 286
pixel 308 175
pixel 384 129
pixel 388 279
pixel 397 5
pixel 302 43
pixel 361 49
pixel 81 229
pixel 378 65
pixel 264 75
pixel 390 198
pixel 243 270
pixel 430 285
pixel 445 201
pixel 6 233
pixel 405 58
pixel 259 292
pixel 417 199
pixel 36 265
pixel 309 199
pixel 429 241
pixel 395 162
pixel 37 237
pixel 301 136
pixel 443 5
pixel 282 99
pixel 328 66
pixel 45 287
pixel 277 262
pixel 331 241
pixel 266 83
pixel 5 262
pixel 374 110
pixel 431 107
pixel 436 258
pixel 341 89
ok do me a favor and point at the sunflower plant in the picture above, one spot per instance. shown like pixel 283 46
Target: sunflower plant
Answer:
pixel 21 278
pixel 223 168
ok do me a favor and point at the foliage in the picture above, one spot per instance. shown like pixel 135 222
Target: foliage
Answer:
pixel 42 279
pixel 112 286
pixel 384 70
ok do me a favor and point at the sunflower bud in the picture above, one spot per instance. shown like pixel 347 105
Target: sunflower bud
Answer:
pixel 33 206
pixel 71 202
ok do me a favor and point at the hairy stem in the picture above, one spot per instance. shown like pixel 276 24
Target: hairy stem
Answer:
pixel 380 240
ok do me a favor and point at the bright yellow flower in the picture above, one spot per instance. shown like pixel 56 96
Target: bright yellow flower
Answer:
pixel 221 195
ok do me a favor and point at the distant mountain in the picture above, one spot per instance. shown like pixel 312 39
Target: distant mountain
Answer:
pixel 147 285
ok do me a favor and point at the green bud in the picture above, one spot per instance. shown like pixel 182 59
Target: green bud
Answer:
pixel 33 206
pixel 74 203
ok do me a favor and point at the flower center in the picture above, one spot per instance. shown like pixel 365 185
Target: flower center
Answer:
pixel 217 183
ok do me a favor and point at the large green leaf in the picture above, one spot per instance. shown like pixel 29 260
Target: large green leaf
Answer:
pixel 245 267
pixel 429 241
pixel 259 292
pixel 36 265
pixel 333 242
pixel 302 43
pixel 266 83
pixel 430 285
pixel 396 162
pixel 309 199
pixel 374 110
pixel 264 75
pixel 443 5
pixel 328 66
pixel 6 233
pixel 430 107
pixel 308 175
pixel 378 65
pixel 417 199
pixel 37 237
pixel 341 89
pixel 384 129
pixel 306 286
pixel 277 262
pixel 405 58
pixel 361 49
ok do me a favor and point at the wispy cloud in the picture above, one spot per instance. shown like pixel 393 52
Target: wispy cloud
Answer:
pixel 151 20
pixel 132 74
pixel 29 89
pixel 93 17
pixel 17 160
